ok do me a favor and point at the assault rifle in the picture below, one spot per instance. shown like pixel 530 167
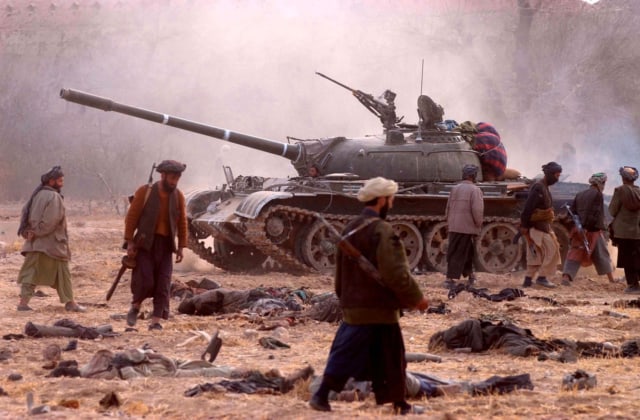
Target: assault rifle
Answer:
pixel 386 112
pixel 350 250
pixel 129 262
pixel 149 185
pixel 581 231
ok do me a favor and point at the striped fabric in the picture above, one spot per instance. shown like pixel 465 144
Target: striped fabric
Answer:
pixel 493 155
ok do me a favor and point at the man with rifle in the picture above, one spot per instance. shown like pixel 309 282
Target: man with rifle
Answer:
pixel 368 344
pixel 587 243
pixel 157 214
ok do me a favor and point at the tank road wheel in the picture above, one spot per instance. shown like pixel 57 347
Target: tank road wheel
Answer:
pixel 412 241
pixel 314 246
pixel 562 233
pixel 237 258
pixel 278 227
pixel 435 246
pixel 495 250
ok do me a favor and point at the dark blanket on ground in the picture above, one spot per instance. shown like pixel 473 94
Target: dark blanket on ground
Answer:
pixel 68 328
pixel 264 301
pixel 505 294
pixel 501 384
pixel 254 382
pixel 480 335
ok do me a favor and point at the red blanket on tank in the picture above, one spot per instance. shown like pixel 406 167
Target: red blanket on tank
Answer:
pixel 493 155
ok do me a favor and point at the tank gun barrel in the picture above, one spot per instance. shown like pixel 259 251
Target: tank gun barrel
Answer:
pixel 292 152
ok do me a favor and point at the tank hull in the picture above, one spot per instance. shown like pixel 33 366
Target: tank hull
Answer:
pixel 278 228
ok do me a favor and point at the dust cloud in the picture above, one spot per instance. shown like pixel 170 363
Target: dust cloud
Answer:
pixel 557 78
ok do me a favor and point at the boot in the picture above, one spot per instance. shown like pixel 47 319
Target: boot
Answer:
pixel 403 408
pixel 24 305
pixel 132 316
pixel 472 279
pixel 320 399
pixel 74 307
pixel 542 281
pixel 449 284
pixel 319 404
pixel 632 290
pixel 527 282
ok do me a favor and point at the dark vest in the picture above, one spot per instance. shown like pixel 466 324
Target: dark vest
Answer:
pixel 358 290
pixel 149 217
pixel 589 205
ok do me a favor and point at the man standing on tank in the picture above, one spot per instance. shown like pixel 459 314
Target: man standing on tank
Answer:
pixel 368 344
pixel 464 212
pixel 543 249
pixel 157 214
pixel 625 209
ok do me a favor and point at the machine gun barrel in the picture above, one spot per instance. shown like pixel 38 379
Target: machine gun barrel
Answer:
pixel 292 152
pixel 335 81
pixel 386 112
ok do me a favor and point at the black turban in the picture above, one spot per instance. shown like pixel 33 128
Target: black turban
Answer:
pixel 54 173
pixel 171 166
pixel 469 170
pixel 551 168
pixel 629 173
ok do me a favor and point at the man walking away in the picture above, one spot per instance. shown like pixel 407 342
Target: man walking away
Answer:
pixel 368 344
pixel 625 209
pixel 465 209
pixel 588 205
pixel 157 214
pixel 43 225
pixel 543 250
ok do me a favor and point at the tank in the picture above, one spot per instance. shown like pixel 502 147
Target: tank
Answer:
pixel 254 222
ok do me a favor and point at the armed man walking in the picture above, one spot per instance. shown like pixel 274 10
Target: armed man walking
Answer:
pixel 465 209
pixel 46 248
pixel 625 209
pixel 588 207
pixel 543 249
pixel 157 214
pixel 368 344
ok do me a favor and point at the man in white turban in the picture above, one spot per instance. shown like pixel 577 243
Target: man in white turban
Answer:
pixel 368 344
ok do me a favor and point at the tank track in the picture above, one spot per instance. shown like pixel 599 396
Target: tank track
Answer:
pixel 201 250
pixel 257 236
pixel 511 220
pixel 284 258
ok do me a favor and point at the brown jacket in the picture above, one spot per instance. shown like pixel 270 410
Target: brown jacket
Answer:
pixel 158 213
pixel 48 222
pixel 363 300
pixel 626 222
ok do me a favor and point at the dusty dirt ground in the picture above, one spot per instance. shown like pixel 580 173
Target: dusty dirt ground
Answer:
pixel 95 241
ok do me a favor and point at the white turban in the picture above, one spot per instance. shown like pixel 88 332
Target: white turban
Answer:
pixel 377 187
